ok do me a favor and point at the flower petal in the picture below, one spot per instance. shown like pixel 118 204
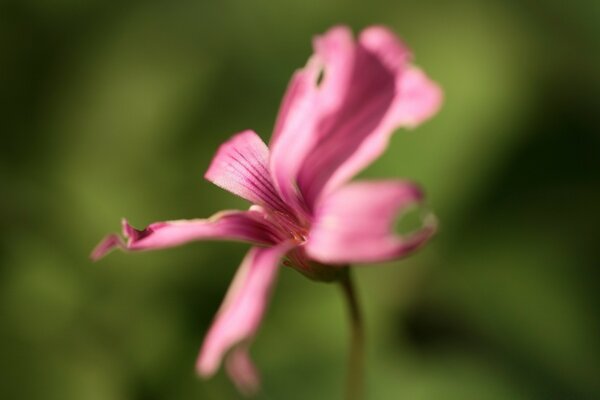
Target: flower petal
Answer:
pixel 329 130
pixel 249 226
pixel 384 93
pixel 388 48
pixel 292 135
pixel 241 167
pixel 243 307
pixel 306 103
pixel 355 224
pixel 417 99
pixel 242 371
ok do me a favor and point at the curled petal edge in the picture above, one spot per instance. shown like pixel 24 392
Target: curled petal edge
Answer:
pixel 353 225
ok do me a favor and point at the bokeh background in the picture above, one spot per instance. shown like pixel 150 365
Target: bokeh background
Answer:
pixel 113 109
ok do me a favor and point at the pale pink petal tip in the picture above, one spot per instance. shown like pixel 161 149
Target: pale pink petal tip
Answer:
pixel 107 244
pixel 379 40
pixel 420 97
pixel 240 368
pixel 114 241
pixel 242 371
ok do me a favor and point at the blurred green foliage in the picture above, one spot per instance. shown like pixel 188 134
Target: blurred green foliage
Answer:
pixel 114 109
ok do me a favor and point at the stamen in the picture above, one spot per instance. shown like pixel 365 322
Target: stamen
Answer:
pixel 290 227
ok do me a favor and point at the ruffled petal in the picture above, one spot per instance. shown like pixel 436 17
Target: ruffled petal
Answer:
pixel 417 99
pixel 247 226
pixel 355 224
pixel 241 312
pixel 340 110
pixel 241 167
pixel 384 93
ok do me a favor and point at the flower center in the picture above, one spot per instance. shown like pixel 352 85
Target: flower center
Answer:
pixel 289 227
pixel 300 235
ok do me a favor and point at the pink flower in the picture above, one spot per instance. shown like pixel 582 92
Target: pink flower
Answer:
pixel 337 116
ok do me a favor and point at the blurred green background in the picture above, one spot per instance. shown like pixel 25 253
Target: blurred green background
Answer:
pixel 113 109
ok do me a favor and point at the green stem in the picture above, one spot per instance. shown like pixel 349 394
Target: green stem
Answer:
pixel 355 378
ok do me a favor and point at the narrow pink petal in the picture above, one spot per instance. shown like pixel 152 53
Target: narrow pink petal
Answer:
pixel 365 98
pixel 249 226
pixel 295 107
pixel 241 167
pixel 242 371
pixel 356 92
pixel 355 224
pixel 305 105
pixel 292 136
pixel 106 245
pixel 241 312
pixel 336 50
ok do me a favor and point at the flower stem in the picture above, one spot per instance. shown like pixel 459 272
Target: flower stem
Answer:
pixel 355 377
